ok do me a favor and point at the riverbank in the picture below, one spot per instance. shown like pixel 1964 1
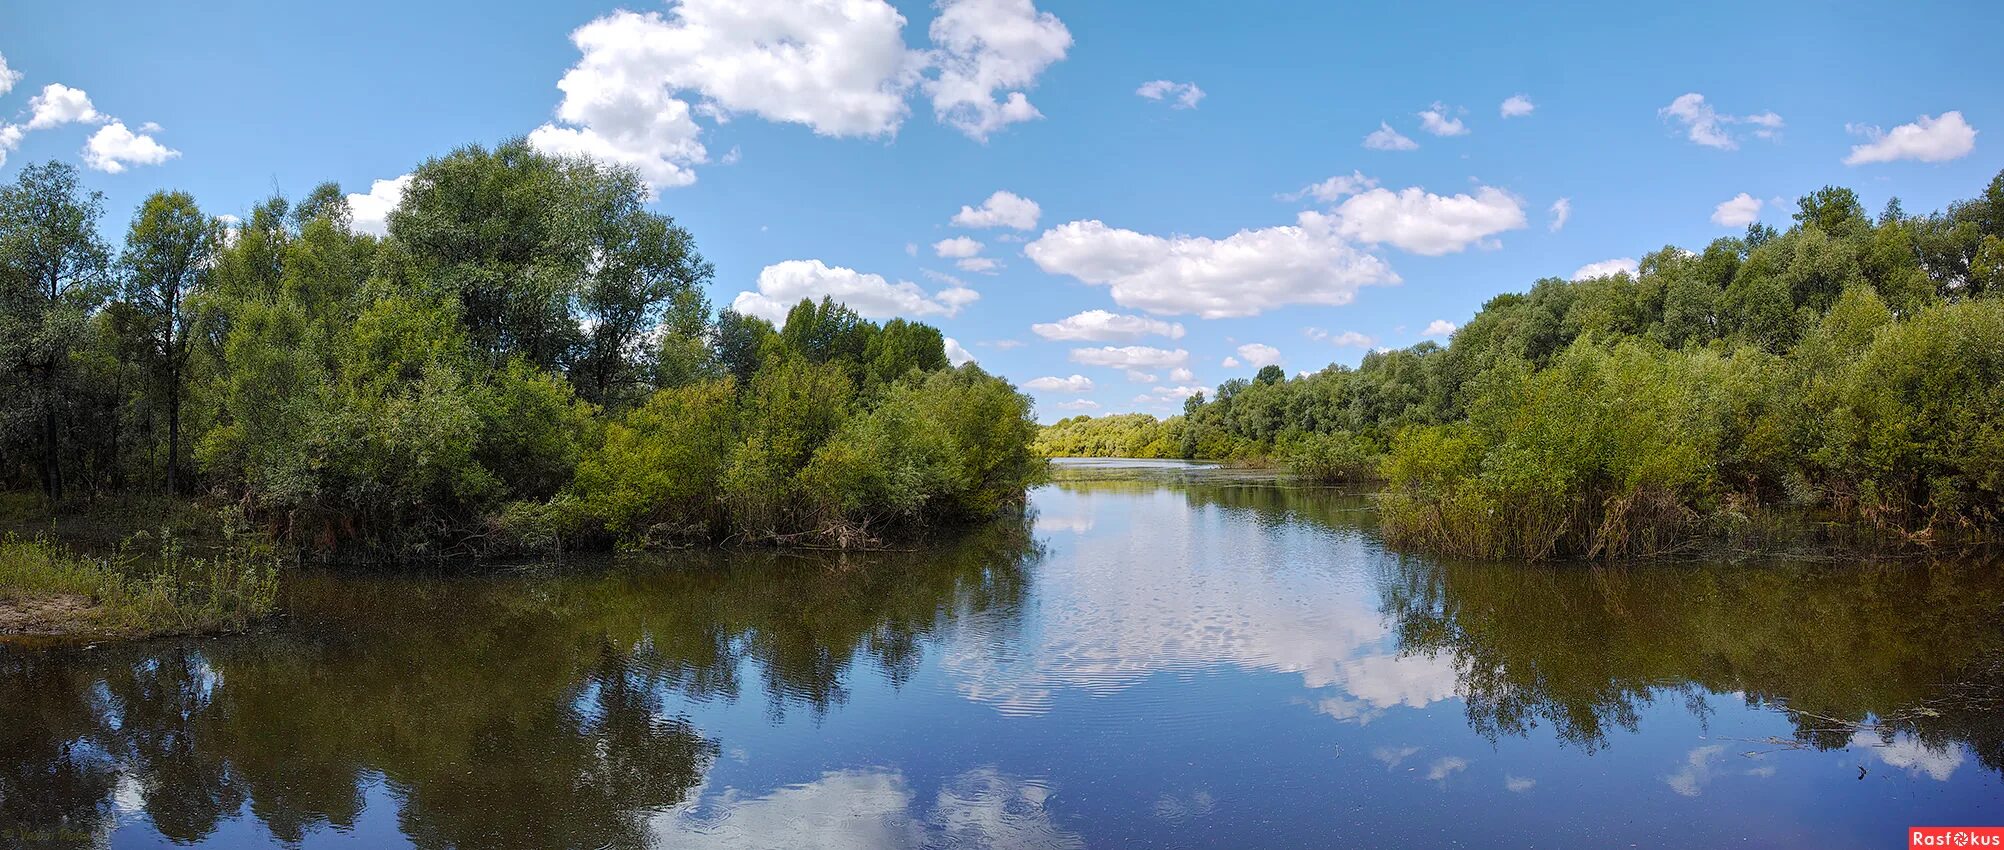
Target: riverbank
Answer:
pixel 48 589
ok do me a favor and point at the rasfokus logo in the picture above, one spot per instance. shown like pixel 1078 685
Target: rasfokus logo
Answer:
pixel 1955 836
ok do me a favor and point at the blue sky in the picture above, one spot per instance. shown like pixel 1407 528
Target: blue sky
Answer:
pixel 838 160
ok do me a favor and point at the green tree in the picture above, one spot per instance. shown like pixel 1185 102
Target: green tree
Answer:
pixel 169 253
pixel 54 272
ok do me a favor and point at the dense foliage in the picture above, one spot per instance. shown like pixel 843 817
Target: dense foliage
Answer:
pixel 1849 366
pixel 527 359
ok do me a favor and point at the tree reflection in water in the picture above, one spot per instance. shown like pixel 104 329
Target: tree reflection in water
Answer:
pixel 519 711
pixel 1887 649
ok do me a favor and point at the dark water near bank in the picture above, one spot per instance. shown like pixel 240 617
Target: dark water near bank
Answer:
pixel 1160 657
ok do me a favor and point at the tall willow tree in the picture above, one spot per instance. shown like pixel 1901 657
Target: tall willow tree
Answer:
pixel 169 255
pixel 554 261
pixel 54 271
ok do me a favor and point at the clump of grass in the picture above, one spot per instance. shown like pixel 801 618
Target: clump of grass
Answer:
pixel 133 596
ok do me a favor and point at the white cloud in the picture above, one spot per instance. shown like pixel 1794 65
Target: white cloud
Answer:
pixel 1518 784
pixel 1707 126
pixel 1002 209
pixel 1229 362
pixel 1767 125
pixel 1140 377
pixel 1131 357
pixel 1444 767
pixel 1938 139
pixel 113 147
pixel 1181 375
pixel 1167 395
pixel 1184 95
pixel 1387 139
pixel 839 67
pixel 1077 404
pixel 1352 339
pixel 1562 209
pixel 8 76
pixel 1259 354
pixel 977 265
pixel 782 285
pixel 1103 326
pixel 1516 106
pixel 1911 755
pixel 1054 384
pixel 1334 189
pixel 1738 211
pixel 1690 780
pixel 957 354
pixel 958 246
pixel 1436 120
pixel 1243 274
pixel 1604 268
pixel 372 210
pixel 1438 329
pixel 59 104
pixel 10 138
pixel 987 47
pixel 1424 223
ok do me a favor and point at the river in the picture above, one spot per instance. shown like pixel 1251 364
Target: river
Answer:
pixel 1158 655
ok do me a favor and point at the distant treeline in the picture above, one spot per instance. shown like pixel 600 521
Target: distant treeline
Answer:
pixel 526 360
pixel 1850 366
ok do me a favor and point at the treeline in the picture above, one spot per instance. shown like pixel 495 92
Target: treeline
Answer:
pixel 527 359
pixel 1851 366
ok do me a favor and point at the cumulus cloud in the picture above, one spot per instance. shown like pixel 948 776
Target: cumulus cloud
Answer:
pixel 1911 755
pixel 59 104
pixel 1516 106
pixel 372 209
pixel 1131 357
pixel 1077 404
pixel 10 138
pixel 113 147
pixel 1562 209
pixel 1439 328
pixel 1180 95
pixel 1181 375
pixel 1243 274
pixel 1259 354
pixel 1697 770
pixel 8 76
pixel 958 246
pixel 1229 362
pixel 1002 209
pixel 1518 784
pixel 1937 139
pixel 986 48
pixel 1738 211
pixel 782 285
pixel 1437 119
pixel 1054 384
pixel 1387 139
pixel 1346 339
pixel 1705 125
pixel 840 68
pixel 1604 268
pixel 1424 223
pixel 1140 377
pixel 1167 395
pixel 957 354
pixel 1444 767
pixel 1334 189
pixel 1104 326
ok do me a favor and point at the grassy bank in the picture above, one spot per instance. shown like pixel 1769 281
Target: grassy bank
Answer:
pixel 50 589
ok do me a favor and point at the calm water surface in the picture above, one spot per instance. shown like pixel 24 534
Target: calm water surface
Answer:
pixel 1161 656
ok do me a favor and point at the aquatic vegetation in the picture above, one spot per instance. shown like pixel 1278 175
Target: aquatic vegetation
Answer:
pixel 47 588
